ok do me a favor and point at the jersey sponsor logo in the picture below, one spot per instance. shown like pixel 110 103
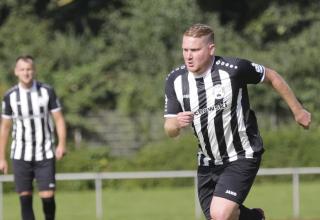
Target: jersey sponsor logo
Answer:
pixel 259 68
pixel 231 192
pixel 52 185
pixel 216 107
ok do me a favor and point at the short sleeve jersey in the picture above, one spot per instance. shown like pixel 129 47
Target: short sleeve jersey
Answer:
pixel 33 129
pixel 224 124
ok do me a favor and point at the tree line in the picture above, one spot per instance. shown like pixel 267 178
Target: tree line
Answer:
pixel 115 55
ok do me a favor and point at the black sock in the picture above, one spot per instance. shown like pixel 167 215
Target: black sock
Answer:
pixel 249 214
pixel 49 208
pixel 26 207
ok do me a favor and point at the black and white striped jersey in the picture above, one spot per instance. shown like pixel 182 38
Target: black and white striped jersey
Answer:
pixel 33 129
pixel 224 124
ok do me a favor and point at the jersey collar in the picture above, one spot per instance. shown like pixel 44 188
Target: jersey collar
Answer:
pixel 33 87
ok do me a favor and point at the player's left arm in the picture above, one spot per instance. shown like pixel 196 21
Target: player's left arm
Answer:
pixel 301 115
pixel 61 132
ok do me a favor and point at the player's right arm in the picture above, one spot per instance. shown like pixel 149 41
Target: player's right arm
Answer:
pixel 173 125
pixel 175 117
pixel 301 115
pixel 5 128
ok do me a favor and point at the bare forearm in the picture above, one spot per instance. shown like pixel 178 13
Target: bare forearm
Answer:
pixel 4 136
pixel 173 125
pixel 61 132
pixel 281 87
pixel 60 128
pixel 3 143
pixel 171 128
pixel 301 115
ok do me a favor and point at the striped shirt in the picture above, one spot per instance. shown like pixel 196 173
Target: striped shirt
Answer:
pixel 33 129
pixel 224 124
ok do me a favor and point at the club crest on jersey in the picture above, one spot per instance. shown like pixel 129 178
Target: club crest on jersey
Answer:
pixel 218 92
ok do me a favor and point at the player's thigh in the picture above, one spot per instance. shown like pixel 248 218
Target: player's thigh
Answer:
pixel 45 175
pixel 23 175
pixel 236 179
pixel 222 208
pixel 206 187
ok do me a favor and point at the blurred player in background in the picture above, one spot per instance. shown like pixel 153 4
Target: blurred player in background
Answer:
pixel 28 108
pixel 209 93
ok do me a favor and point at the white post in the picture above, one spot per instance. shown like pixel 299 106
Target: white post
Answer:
pixel 98 185
pixel 196 202
pixel 1 201
pixel 295 195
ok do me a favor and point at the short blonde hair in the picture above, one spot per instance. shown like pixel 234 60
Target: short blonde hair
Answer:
pixel 200 30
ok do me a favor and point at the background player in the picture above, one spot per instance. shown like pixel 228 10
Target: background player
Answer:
pixel 30 105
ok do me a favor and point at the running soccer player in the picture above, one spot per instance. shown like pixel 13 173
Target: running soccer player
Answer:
pixel 210 93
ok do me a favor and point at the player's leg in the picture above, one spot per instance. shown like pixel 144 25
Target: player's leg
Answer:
pixel 255 213
pixel 48 204
pixel 26 206
pixel 206 187
pixel 208 177
pixel 23 177
pixel 224 209
pixel 45 176
pixel 231 190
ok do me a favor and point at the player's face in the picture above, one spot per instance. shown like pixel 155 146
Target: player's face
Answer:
pixel 25 72
pixel 197 53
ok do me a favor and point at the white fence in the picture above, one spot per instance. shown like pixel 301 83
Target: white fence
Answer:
pixel 99 177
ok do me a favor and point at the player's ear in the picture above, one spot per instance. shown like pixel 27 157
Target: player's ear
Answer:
pixel 14 71
pixel 212 48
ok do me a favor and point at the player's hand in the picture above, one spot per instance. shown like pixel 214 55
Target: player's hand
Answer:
pixel 184 119
pixel 4 166
pixel 303 118
pixel 60 152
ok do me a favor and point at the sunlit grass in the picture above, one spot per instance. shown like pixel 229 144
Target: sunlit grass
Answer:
pixel 169 203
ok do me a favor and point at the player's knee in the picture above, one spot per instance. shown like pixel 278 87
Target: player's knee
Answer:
pixel 46 194
pixel 224 214
pixel 25 193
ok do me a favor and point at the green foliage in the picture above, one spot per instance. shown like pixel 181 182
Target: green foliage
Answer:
pixel 146 48
pixel 169 154
pixel 288 146
pixel 85 160
pixel 116 55
pixel 122 63
pixel 291 147
pixel 30 38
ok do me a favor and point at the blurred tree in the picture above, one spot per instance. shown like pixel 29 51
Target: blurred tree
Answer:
pixel 116 54
pixel 145 37
pixel 286 38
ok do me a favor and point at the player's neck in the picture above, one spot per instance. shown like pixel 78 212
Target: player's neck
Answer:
pixel 26 86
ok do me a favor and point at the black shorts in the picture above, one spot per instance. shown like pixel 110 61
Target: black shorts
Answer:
pixel 25 171
pixel 231 181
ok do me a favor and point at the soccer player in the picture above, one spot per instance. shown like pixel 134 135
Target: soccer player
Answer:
pixel 30 106
pixel 210 93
